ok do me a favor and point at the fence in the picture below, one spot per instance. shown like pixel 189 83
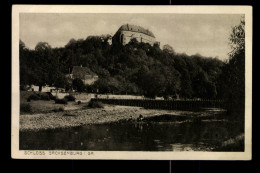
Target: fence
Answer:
pixel 165 104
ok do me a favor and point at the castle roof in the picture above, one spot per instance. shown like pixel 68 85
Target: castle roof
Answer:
pixel 135 28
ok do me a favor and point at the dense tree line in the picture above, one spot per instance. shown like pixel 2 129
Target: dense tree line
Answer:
pixel 232 78
pixel 136 68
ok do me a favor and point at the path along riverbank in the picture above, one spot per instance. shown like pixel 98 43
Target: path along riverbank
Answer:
pixel 73 118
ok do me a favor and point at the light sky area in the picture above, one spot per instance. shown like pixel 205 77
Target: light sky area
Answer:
pixel 205 34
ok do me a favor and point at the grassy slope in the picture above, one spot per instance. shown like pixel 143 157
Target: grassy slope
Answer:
pixel 43 106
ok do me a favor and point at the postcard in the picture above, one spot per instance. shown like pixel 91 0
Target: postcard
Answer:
pixel 131 82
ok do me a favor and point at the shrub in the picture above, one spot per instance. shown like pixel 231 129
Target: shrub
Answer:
pixel 61 101
pixel 52 97
pixel 33 97
pixel 39 96
pixel 44 96
pixel 25 108
pixel 95 104
pixel 79 102
pixel 69 98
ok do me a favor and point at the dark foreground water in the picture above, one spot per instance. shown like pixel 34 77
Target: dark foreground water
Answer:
pixel 164 133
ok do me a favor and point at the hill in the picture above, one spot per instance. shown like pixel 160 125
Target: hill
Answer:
pixel 136 68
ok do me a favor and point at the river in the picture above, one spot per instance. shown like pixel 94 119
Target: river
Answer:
pixel 161 133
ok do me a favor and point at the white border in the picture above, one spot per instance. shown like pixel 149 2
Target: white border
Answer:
pixel 132 155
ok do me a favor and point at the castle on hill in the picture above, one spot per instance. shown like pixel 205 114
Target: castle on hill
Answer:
pixel 127 32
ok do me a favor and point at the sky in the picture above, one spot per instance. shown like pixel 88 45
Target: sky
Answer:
pixel 204 34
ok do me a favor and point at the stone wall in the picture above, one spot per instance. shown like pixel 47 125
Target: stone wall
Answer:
pixel 83 97
pixel 140 37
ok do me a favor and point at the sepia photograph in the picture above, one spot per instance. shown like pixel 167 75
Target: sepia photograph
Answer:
pixel 122 82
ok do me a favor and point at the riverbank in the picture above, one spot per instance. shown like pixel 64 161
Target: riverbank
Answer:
pixel 73 118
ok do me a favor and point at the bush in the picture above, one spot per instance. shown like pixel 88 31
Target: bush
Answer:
pixel 79 102
pixel 95 104
pixel 52 97
pixel 33 97
pixel 25 108
pixel 44 96
pixel 70 98
pixel 61 101
pixel 39 96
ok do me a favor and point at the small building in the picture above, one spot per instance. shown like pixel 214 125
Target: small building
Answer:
pixel 45 88
pixel 85 74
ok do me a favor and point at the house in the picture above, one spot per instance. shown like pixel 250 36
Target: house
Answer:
pixel 85 74
pixel 45 88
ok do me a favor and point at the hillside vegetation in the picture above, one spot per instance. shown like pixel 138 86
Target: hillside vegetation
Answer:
pixel 137 68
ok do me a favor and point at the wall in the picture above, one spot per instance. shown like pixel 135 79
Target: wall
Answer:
pixel 128 35
pixel 111 96
pixel 83 97
pixel 163 104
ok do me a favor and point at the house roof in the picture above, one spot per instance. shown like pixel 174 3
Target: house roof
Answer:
pixel 81 72
pixel 135 28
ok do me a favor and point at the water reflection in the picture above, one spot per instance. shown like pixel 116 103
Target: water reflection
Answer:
pixel 133 136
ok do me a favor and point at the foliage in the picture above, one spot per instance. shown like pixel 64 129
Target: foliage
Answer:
pixel 78 85
pixel 25 108
pixel 44 96
pixel 95 104
pixel 237 39
pixel 52 97
pixel 136 68
pixel 40 96
pixel 232 79
pixel 33 96
pixel 167 48
pixel 70 98
pixel 61 101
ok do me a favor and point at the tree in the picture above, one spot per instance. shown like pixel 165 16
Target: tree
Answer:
pixel 134 42
pixel 232 79
pixel 168 48
pixel 237 39
pixel 61 81
pixel 46 66
pixel 26 65
pixel 78 85
pixel 42 46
